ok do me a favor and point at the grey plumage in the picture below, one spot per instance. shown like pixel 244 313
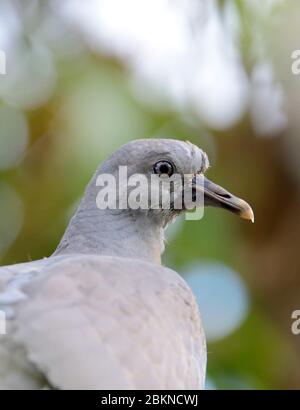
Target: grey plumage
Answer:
pixel 102 313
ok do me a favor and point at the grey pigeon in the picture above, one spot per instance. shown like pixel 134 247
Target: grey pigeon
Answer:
pixel 102 312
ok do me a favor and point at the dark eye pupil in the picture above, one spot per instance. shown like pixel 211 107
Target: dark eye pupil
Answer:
pixel 163 167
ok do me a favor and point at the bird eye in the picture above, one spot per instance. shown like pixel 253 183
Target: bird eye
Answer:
pixel 164 168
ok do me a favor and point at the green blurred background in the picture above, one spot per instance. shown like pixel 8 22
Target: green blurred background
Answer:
pixel 84 77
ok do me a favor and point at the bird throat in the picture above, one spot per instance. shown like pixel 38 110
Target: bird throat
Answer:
pixel 115 233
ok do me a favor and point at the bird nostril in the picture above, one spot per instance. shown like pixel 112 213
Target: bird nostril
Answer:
pixel 225 196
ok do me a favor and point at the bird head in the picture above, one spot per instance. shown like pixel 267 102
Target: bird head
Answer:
pixel 164 177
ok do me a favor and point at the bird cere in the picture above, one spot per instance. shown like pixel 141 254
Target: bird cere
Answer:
pixel 88 303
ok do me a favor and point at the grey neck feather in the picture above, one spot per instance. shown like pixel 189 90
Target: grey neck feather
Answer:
pixel 122 233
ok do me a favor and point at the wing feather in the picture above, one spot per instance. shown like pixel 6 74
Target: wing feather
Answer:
pixel 95 322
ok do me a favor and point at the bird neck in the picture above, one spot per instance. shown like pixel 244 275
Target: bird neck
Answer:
pixel 122 233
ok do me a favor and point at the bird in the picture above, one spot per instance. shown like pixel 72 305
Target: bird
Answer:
pixel 102 312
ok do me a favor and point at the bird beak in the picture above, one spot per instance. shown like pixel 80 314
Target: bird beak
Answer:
pixel 215 195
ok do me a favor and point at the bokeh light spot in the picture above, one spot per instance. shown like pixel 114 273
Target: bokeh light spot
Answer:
pixel 13 137
pixel 221 295
pixel 30 84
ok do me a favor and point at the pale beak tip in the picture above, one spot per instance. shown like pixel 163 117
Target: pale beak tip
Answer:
pixel 247 212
